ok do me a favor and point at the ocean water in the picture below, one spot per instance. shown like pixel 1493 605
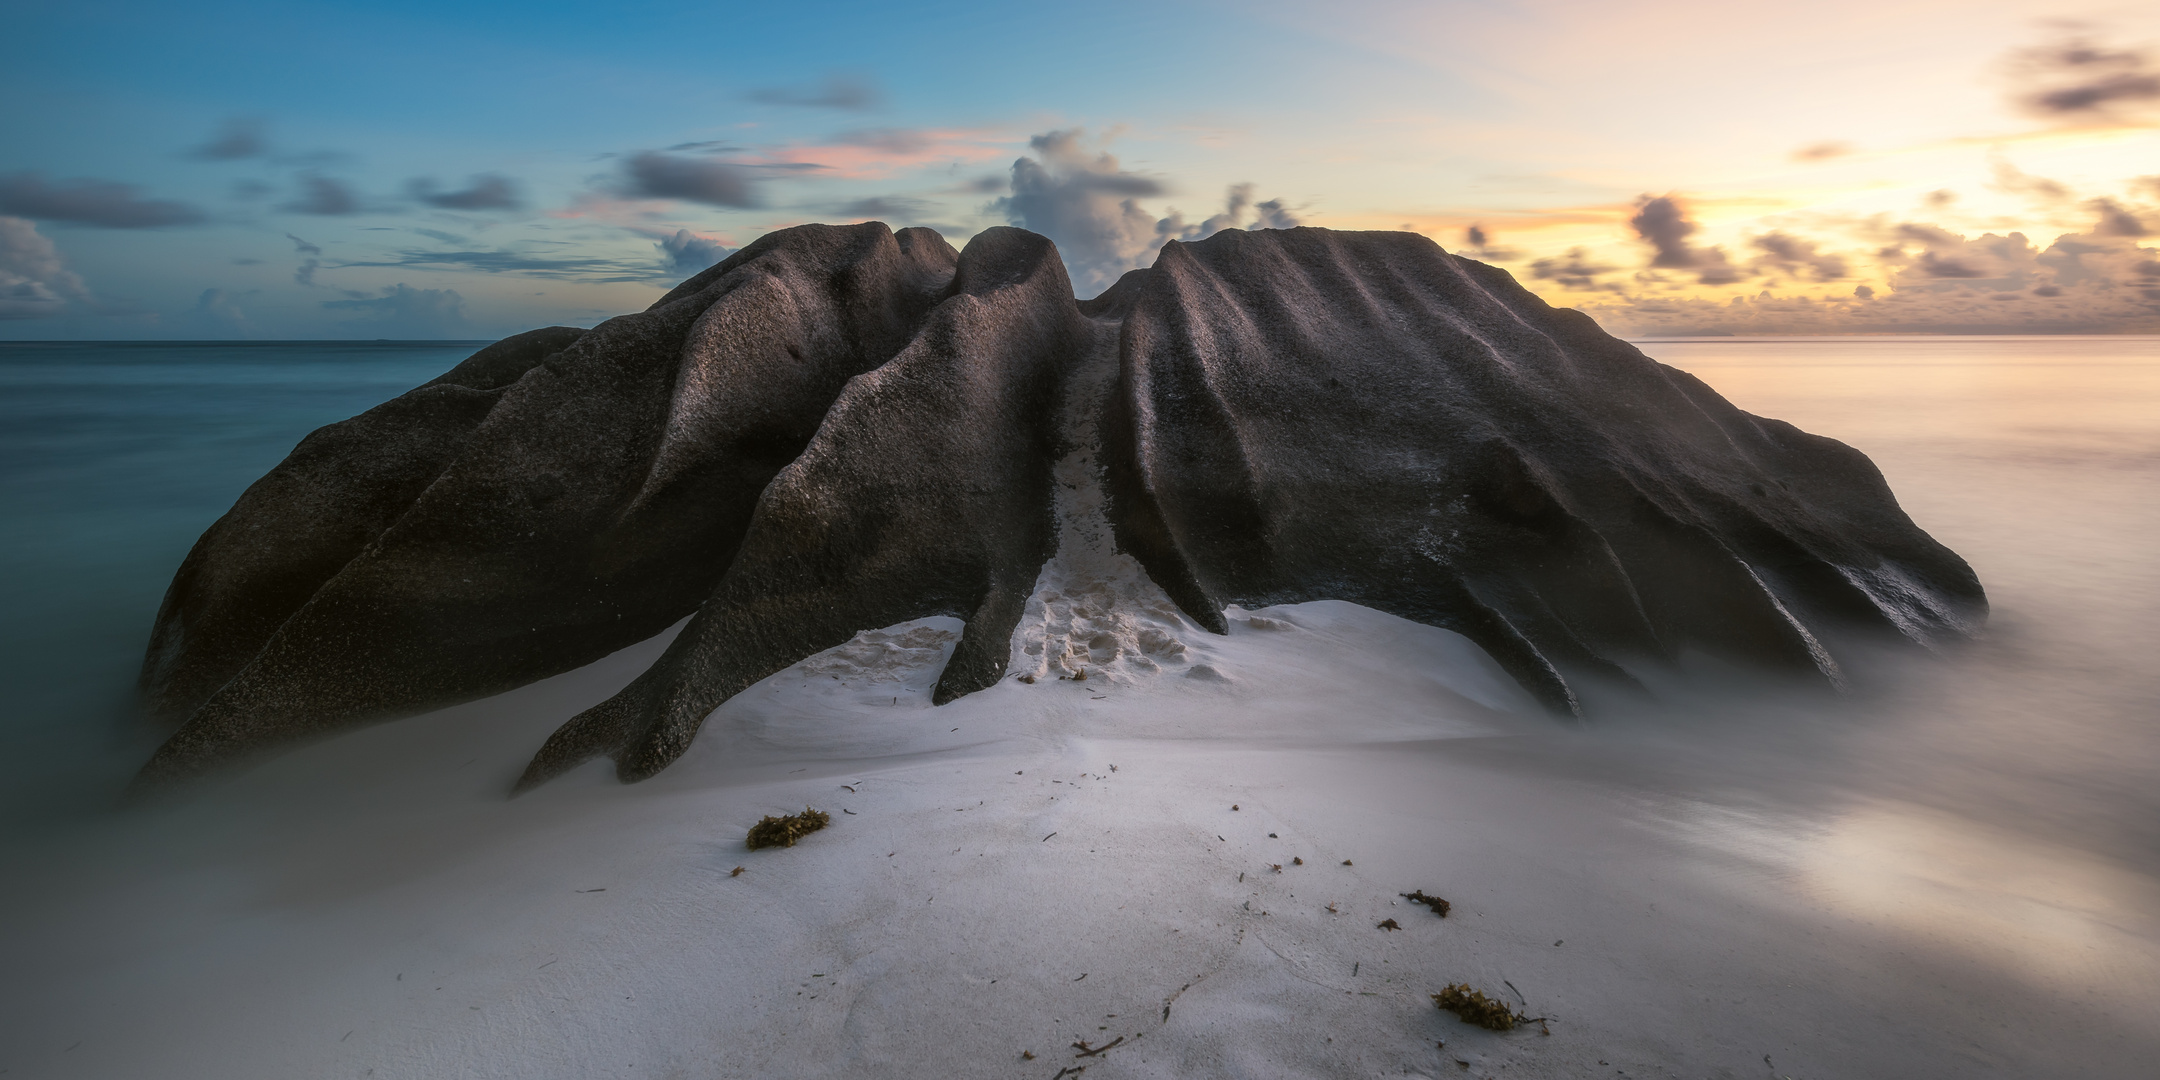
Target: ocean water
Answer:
pixel 2036 458
pixel 1958 864
pixel 114 457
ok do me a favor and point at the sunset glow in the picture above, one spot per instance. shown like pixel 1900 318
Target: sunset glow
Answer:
pixel 1861 168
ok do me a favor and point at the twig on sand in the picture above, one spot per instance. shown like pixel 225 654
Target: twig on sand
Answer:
pixel 1069 1070
pixel 1095 1051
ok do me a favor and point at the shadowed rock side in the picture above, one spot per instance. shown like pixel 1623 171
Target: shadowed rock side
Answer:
pixel 555 498
pixel 1306 414
pixel 842 428
pixel 926 492
pixel 297 527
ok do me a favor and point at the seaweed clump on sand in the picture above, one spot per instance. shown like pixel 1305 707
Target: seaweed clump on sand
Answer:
pixel 773 831
pixel 1439 907
pixel 1475 1008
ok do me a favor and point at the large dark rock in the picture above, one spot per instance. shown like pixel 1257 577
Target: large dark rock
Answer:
pixel 841 428
pixel 468 538
pixel 926 492
pixel 1307 414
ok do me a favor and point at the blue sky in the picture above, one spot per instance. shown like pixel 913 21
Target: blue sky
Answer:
pixel 307 170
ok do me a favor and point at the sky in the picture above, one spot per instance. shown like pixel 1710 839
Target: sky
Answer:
pixel 306 170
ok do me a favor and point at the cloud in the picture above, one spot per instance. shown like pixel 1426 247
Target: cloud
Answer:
pixel 486 191
pixel 2011 180
pixel 2115 219
pixel 405 312
pixel 1945 255
pixel 1822 151
pixel 706 146
pixel 686 253
pixel 901 141
pixel 104 203
pixel 1574 271
pixel 1796 257
pixel 885 207
pixel 239 137
pixel 1478 243
pixel 654 175
pixel 876 153
pixel 305 273
pixel 34 281
pixel 216 314
pixel 565 268
pixel 2079 284
pixel 1938 281
pixel 1237 201
pixel 1087 203
pixel 2077 79
pixel 1273 214
pixel 834 91
pixel 323 196
pixel 1662 222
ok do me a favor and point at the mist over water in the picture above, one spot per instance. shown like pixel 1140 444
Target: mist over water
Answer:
pixel 114 457
pixel 1988 813
pixel 2038 460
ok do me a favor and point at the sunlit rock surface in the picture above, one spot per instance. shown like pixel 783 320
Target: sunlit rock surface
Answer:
pixel 843 428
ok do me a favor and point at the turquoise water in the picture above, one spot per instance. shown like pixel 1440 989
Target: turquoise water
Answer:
pixel 113 458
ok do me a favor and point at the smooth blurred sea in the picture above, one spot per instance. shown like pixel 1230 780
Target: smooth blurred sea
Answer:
pixel 2037 458
pixel 114 457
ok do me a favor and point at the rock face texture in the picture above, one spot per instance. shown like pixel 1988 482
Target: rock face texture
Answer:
pixel 842 428
pixel 1307 415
